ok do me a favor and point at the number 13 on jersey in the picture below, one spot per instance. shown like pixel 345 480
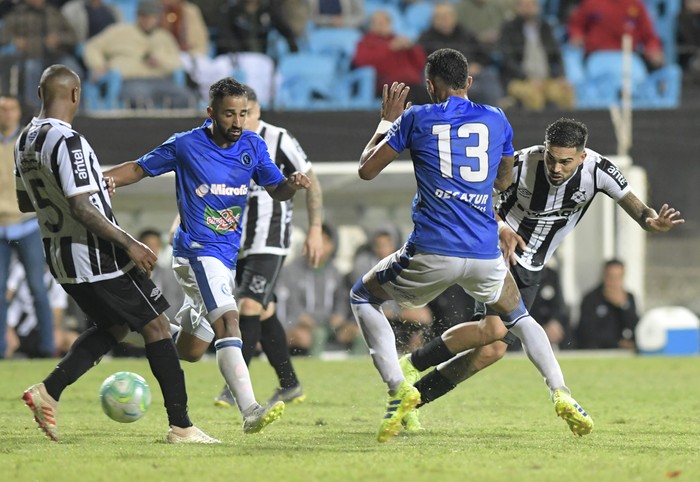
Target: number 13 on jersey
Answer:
pixel 474 172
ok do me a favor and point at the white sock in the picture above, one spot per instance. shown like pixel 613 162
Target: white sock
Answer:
pixel 235 372
pixel 381 341
pixel 539 351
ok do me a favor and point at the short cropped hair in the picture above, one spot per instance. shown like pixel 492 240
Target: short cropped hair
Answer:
pixel 226 87
pixel 250 93
pixel 567 133
pixel 450 66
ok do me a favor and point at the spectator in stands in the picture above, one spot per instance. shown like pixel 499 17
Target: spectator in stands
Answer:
pixel 532 66
pixel 23 332
pixel 484 19
pixel 394 57
pixel 446 32
pixel 19 233
pixel 608 313
pixel 146 57
pixel 246 24
pixel 163 275
pixel 600 24
pixel 185 22
pixel 89 17
pixel 314 301
pixel 409 324
pixel 337 13
pixel 38 36
pixel 689 38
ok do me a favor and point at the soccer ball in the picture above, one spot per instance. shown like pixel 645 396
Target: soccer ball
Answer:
pixel 125 397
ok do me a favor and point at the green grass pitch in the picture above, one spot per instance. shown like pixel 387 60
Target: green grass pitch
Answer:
pixel 498 426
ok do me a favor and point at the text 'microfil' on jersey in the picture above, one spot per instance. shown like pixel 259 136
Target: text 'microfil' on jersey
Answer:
pixel 543 214
pixel 53 163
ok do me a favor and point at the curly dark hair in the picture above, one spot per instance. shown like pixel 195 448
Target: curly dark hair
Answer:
pixel 225 87
pixel 567 133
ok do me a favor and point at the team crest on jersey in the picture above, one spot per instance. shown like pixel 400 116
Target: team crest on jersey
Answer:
pixel 224 221
pixel 246 159
pixel 202 190
pixel 579 196
pixel 257 284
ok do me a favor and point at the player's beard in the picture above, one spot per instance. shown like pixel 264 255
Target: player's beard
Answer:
pixel 228 134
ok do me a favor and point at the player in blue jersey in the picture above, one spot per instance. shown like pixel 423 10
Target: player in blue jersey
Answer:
pixel 460 152
pixel 214 165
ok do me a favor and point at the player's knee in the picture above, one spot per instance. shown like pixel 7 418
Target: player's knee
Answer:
pixel 249 307
pixel 189 357
pixel 157 329
pixel 492 329
pixel 490 354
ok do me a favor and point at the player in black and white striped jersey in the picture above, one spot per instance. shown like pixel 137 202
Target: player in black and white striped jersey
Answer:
pixel 265 243
pixel 542 212
pixel 553 185
pixel 99 264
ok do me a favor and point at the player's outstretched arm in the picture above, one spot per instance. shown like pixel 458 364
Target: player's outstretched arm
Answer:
pixel 287 188
pixel 123 175
pixel 665 220
pixel 313 245
pixel 378 154
pixel 87 214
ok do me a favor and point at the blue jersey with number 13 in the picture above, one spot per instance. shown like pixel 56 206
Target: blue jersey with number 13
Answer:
pixel 456 149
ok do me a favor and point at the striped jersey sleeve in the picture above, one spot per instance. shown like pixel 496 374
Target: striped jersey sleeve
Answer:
pixel 268 228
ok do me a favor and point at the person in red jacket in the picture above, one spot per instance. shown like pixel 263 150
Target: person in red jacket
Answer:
pixel 394 57
pixel 600 25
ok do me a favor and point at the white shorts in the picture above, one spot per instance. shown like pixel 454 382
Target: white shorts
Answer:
pixel 208 286
pixel 413 278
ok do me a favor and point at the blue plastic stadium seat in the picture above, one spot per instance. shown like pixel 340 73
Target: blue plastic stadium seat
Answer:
pixel 310 81
pixel 664 14
pixel 601 86
pixel 111 85
pixel 417 18
pixel 338 42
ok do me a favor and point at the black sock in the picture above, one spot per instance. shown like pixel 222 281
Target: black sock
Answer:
pixel 165 366
pixel 431 354
pixel 250 334
pixel 274 343
pixel 433 386
pixel 86 351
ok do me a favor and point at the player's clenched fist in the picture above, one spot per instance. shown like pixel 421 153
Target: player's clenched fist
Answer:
pixel 298 180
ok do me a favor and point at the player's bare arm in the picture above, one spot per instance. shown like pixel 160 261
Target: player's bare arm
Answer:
pixel 24 203
pixel 504 178
pixel 287 188
pixel 313 246
pixel 87 214
pixel 508 240
pixel 665 220
pixel 123 175
pixel 377 154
